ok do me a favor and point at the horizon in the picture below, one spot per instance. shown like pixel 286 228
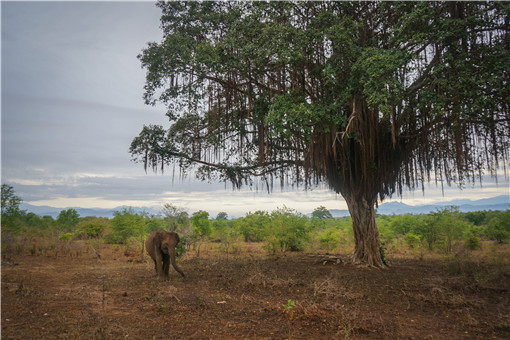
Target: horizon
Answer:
pixel 386 208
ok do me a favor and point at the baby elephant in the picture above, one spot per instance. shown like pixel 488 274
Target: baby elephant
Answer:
pixel 161 248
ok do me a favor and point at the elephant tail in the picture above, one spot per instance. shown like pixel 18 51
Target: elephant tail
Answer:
pixel 174 264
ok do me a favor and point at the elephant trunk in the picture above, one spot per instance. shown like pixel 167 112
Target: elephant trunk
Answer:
pixel 174 264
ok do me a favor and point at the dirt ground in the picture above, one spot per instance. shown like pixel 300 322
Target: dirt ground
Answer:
pixel 48 297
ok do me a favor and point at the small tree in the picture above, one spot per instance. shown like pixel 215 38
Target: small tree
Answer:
pixel 92 228
pixel 68 219
pixel 202 227
pixel 430 231
pixel 11 212
pixel 224 232
pixel 10 202
pixel 254 226
pixel 10 219
pixel 499 227
pixel 174 216
pixel 288 232
pixel 321 213
pixel 450 224
pixel 221 216
pixel 125 224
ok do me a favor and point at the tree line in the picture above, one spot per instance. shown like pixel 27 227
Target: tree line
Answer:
pixel 281 230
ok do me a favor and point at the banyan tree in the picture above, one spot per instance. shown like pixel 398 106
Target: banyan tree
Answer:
pixel 369 98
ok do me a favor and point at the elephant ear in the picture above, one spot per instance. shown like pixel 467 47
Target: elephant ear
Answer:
pixel 157 240
pixel 177 239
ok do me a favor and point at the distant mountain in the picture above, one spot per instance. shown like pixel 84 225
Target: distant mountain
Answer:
pixel 390 208
pixel 495 203
pixel 398 208
pixel 84 212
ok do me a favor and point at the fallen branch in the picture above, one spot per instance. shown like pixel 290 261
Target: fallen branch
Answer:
pixel 325 259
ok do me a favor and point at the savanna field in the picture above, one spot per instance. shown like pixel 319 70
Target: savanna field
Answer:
pixel 274 275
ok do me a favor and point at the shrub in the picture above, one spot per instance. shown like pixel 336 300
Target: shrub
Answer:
pixel 180 248
pixel 498 228
pixel 412 240
pixel 93 228
pixel 126 224
pixel 254 226
pixel 473 242
pixel 289 231
pixel 330 239
pixel 66 237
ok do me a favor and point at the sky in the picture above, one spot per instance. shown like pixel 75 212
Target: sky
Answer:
pixel 71 103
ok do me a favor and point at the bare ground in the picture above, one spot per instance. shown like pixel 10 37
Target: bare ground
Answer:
pixel 48 297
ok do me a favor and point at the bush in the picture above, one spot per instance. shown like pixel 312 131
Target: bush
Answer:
pixel 473 242
pixel 289 231
pixel 331 239
pixel 66 237
pixel 412 240
pixel 126 224
pixel 180 248
pixel 92 228
pixel 498 228
pixel 254 226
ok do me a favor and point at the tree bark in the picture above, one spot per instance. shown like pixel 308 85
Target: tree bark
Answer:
pixel 366 235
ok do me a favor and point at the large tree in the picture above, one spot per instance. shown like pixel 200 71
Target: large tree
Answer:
pixel 368 97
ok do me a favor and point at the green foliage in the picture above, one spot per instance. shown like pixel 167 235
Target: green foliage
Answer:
pixel 125 224
pixel 222 216
pixel 321 212
pixel 290 304
pixel 181 247
pixel 289 231
pixel 386 233
pixel 330 239
pixel 67 219
pixel 412 240
pixel 254 226
pixel 382 251
pixel 92 228
pixel 10 202
pixel 176 218
pixel 476 217
pixel 11 214
pixel 403 224
pixel 66 237
pixel 473 242
pixel 225 233
pixel 201 224
pixel 498 228
pixel 153 223
pixel 451 224
pixel 283 230
pixel 472 236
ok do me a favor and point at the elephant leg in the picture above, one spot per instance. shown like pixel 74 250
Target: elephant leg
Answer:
pixel 166 266
pixel 155 266
pixel 159 263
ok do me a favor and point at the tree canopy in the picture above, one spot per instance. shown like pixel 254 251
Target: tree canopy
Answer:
pixel 367 97
pixel 10 202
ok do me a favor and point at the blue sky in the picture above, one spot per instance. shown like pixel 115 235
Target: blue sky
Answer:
pixel 72 102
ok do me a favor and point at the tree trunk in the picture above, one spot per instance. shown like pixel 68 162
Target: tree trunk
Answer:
pixel 366 235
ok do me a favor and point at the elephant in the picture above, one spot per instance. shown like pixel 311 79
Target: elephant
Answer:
pixel 160 246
